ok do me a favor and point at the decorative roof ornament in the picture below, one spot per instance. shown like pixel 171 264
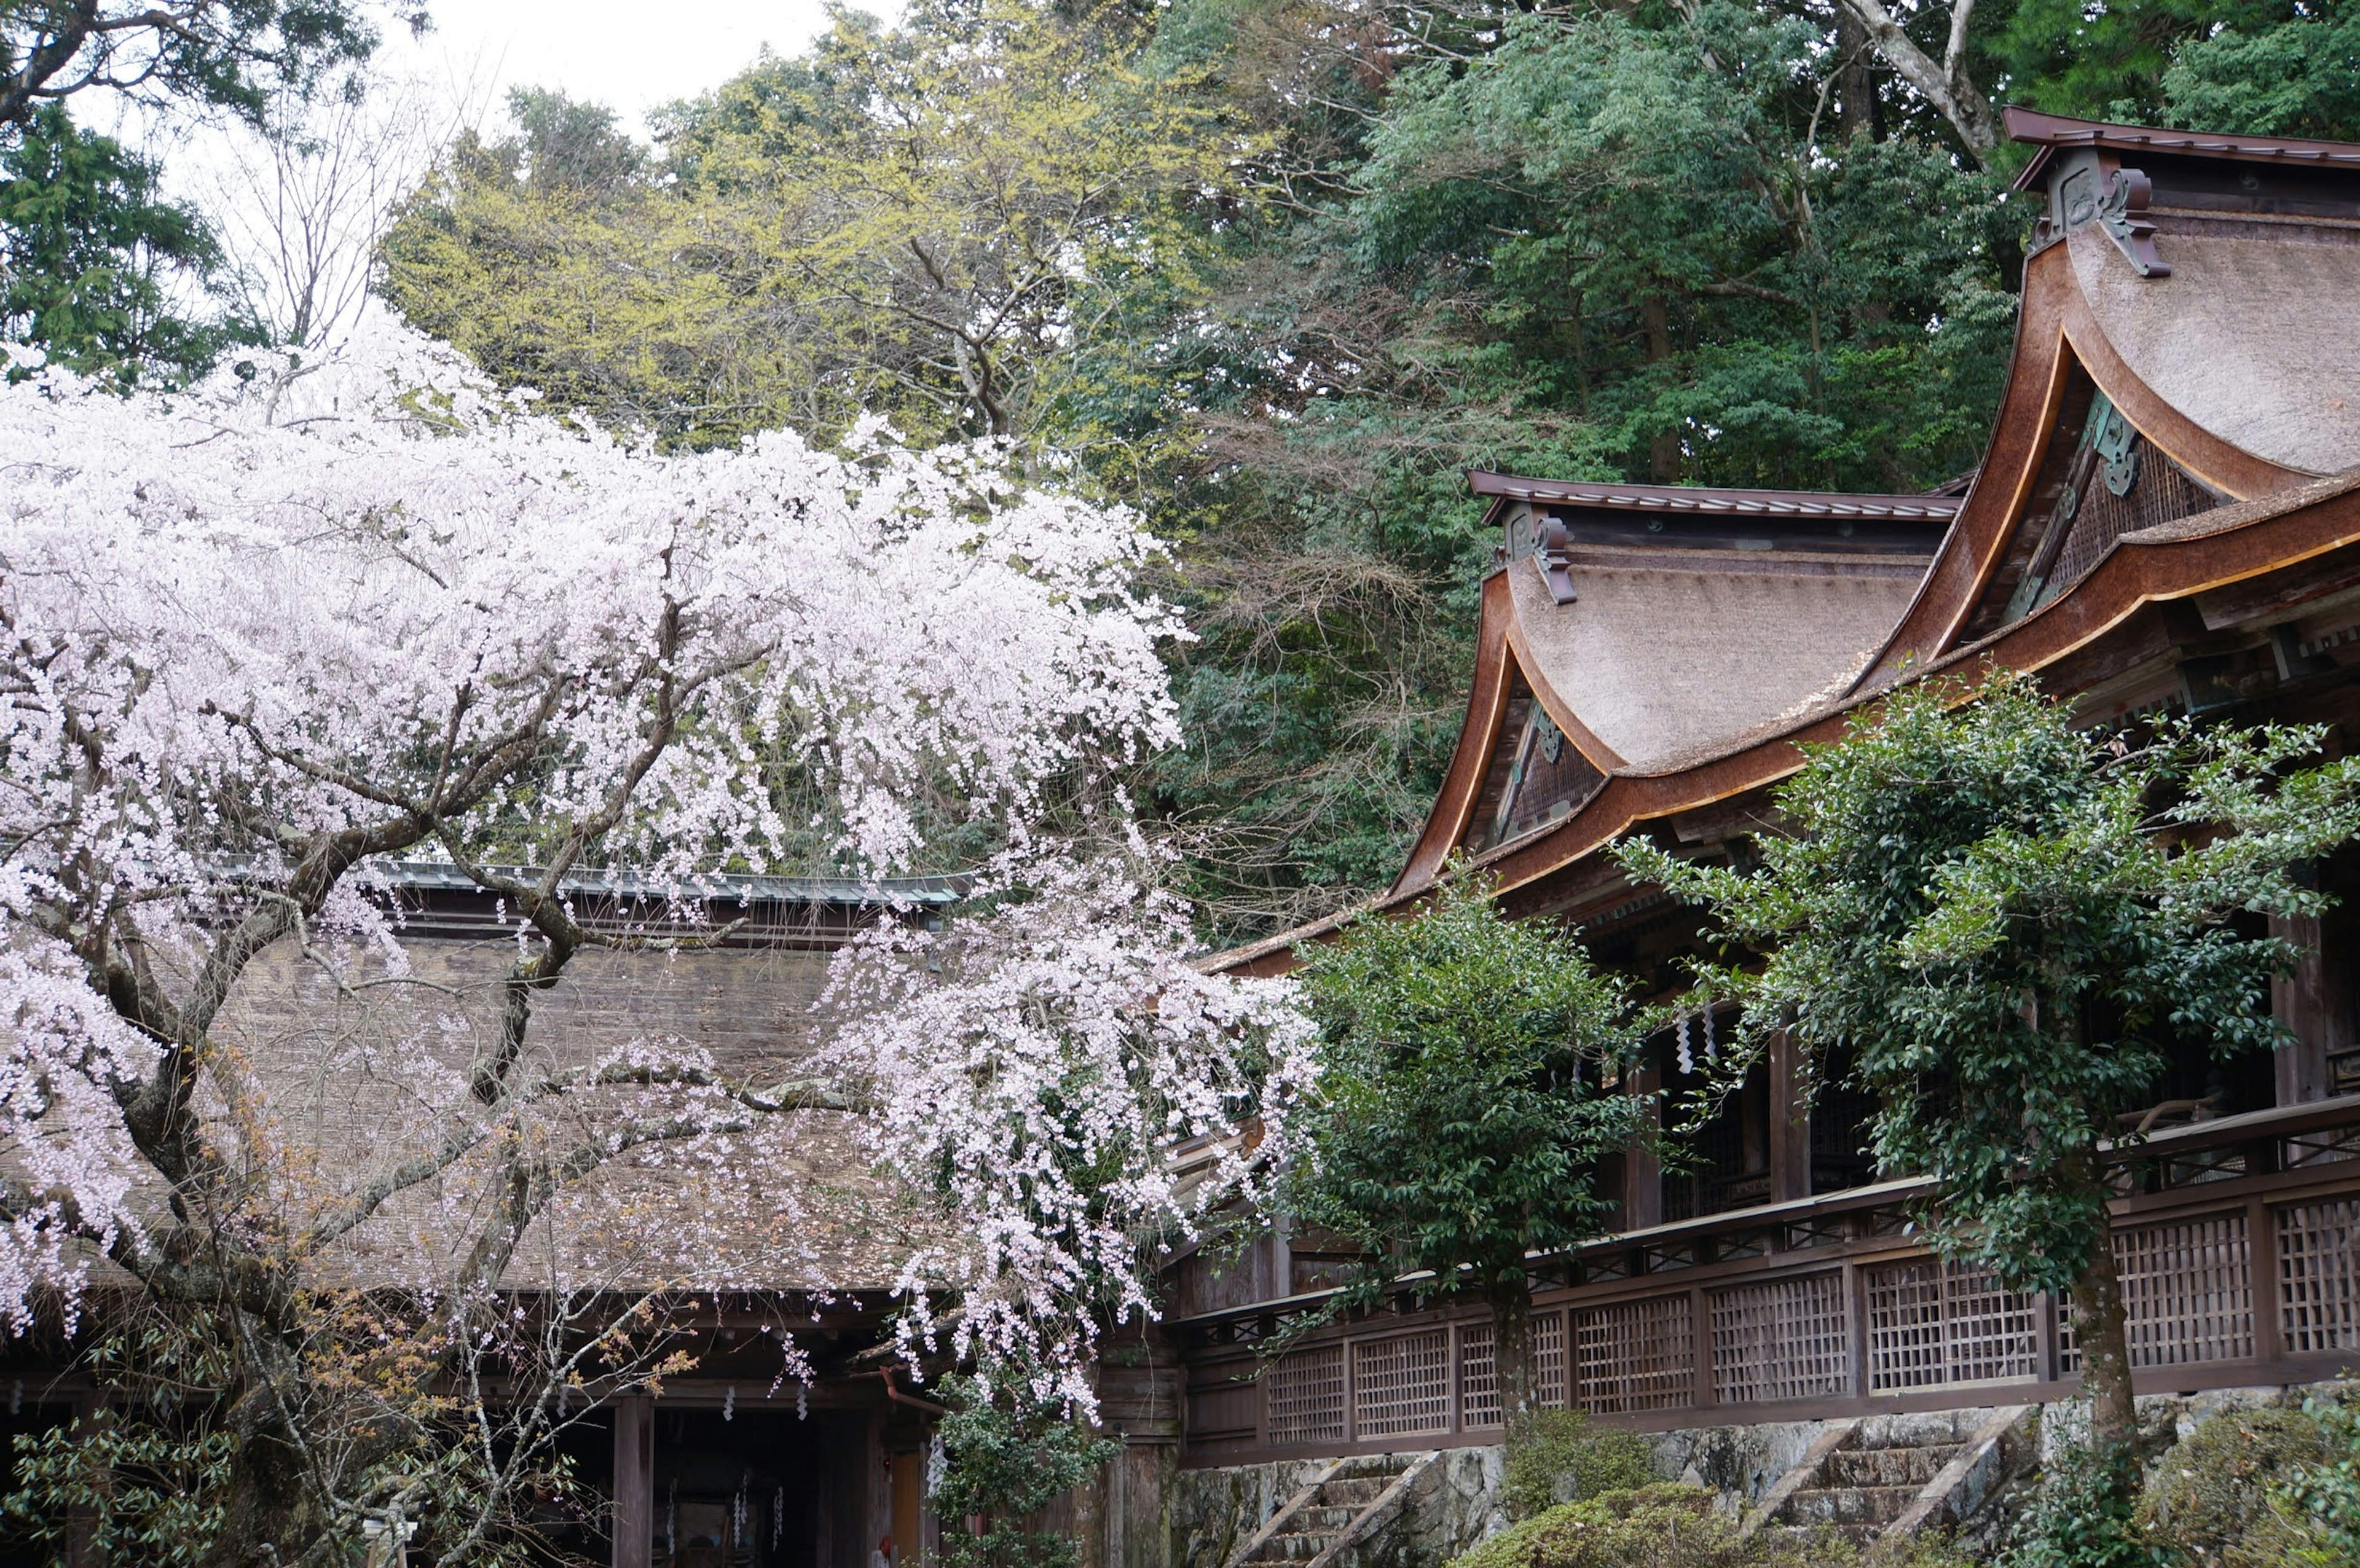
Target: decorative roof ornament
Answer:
pixel 2116 199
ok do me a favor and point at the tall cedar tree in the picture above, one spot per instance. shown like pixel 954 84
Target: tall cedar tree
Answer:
pixel 1465 1104
pixel 2006 923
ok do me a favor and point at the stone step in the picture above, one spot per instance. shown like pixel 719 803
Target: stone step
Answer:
pixel 1323 1516
pixel 1291 1547
pixel 1920 1429
pixel 1847 1505
pixel 1356 1492
pixel 1887 1467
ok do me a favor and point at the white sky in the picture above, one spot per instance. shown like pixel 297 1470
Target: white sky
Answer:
pixel 632 54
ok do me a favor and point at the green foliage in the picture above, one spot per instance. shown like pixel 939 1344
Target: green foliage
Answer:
pixel 1558 1455
pixel 2209 1501
pixel 148 1473
pixel 95 262
pixel 1660 1526
pixel 1463 1092
pixel 2004 922
pixel 2322 1501
pixel 147 1492
pixel 230 54
pixel 2082 1515
pixel 1007 1457
pixel 2299 77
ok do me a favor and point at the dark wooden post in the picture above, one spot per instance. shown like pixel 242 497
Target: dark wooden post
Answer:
pixel 1790 1124
pixel 634 1481
pixel 2302 1003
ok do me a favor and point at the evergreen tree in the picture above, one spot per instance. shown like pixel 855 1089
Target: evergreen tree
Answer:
pixel 97 267
pixel 2006 924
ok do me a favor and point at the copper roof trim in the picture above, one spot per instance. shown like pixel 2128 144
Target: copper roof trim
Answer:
pixel 2050 131
pixel 1697 498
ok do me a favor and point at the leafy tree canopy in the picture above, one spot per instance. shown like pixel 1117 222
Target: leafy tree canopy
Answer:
pixel 1466 1099
pixel 96 265
pixel 1277 273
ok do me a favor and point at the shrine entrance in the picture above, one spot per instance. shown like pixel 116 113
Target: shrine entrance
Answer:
pixel 715 1483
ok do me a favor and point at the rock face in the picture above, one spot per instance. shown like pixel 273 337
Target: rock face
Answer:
pixel 1450 1505
pixel 1867 1473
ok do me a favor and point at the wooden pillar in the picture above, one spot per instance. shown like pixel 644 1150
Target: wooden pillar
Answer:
pixel 2300 1001
pixel 634 1482
pixel 1790 1123
pixel 1643 1173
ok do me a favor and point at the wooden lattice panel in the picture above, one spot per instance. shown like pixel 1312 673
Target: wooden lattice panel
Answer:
pixel 1303 1396
pixel 1401 1385
pixel 1906 1346
pixel 1637 1356
pixel 2162 493
pixel 1993 1332
pixel 1788 1339
pixel 2319 1276
pixel 1932 1323
pixel 2187 1290
pixel 1479 1380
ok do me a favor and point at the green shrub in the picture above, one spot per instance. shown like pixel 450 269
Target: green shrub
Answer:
pixel 2320 1503
pixel 1554 1455
pixel 1658 1526
pixel 2081 1517
pixel 1007 1457
pixel 2208 1504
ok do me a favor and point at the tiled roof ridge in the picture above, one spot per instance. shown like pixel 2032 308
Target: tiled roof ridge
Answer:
pixel 1709 501
pixel 626 882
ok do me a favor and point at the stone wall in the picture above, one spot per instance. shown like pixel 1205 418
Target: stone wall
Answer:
pixel 1453 1506
pixel 1456 1503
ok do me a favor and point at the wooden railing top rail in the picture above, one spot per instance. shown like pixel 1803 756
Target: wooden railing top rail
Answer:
pixel 2171 1143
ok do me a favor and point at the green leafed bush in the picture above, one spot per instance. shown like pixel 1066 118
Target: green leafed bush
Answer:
pixel 1556 1456
pixel 2208 1503
pixel 1660 1526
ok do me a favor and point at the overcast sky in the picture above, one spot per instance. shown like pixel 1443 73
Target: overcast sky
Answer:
pixel 633 54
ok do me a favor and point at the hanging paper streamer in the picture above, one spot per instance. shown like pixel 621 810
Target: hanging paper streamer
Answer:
pixel 737 1510
pixel 672 1522
pixel 1712 1050
pixel 729 1403
pixel 1687 1064
pixel 777 1516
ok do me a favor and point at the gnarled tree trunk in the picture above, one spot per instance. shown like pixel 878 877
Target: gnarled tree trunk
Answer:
pixel 1512 1348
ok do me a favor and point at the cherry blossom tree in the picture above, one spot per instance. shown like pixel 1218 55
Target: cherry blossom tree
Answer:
pixel 1115 1098
pixel 268 642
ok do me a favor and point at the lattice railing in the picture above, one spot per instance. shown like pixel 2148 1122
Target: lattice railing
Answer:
pixel 1401 1385
pixel 1637 1356
pixel 1303 1396
pixel 1822 1338
pixel 1785 1339
pixel 1931 1322
pixel 1478 1379
pixel 2319 1276
pixel 2187 1290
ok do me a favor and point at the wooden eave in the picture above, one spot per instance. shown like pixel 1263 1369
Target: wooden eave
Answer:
pixel 2237 545
pixel 2162 566
pixel 2055 331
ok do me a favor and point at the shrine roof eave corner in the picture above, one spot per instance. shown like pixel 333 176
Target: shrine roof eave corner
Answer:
pixel 2171 562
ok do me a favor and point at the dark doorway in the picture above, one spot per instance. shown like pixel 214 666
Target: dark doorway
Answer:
pixel 756 1489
